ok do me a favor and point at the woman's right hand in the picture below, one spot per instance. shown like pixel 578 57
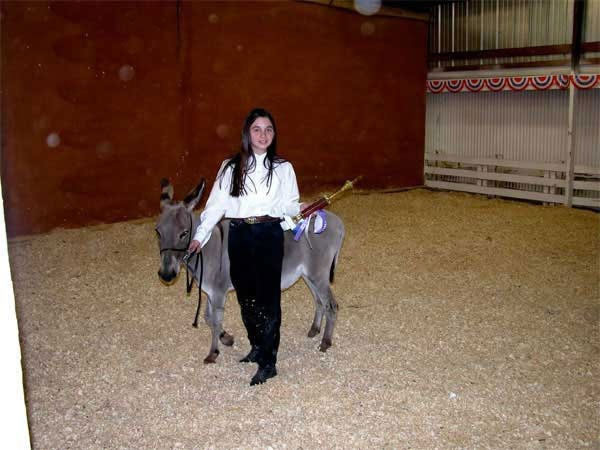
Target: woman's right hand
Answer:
pixel 194 246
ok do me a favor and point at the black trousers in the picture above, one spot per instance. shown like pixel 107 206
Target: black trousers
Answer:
pixel 256 256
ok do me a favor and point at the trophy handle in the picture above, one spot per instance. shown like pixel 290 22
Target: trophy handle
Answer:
pixel 347 185
pixel 324 201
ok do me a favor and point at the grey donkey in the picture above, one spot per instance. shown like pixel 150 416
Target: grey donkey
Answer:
pixel 313 258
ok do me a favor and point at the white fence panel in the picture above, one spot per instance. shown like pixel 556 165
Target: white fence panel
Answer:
pixel 513 144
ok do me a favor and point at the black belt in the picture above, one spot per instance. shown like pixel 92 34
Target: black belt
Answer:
pixel 255 219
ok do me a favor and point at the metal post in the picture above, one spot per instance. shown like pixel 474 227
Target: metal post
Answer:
pixel 466 21
pixel 453 19
pixel 570 156
pixel 497 26
pixel 578 10
pixel 439 32
pixel 481 6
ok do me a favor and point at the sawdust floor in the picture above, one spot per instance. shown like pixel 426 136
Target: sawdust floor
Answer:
pixel 464 322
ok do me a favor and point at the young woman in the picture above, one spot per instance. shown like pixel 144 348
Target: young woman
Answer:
pixel 255 189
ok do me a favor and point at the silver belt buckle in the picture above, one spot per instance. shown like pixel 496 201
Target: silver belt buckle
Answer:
pixel 250 220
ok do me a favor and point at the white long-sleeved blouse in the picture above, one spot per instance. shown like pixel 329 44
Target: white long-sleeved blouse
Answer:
pixel 278 200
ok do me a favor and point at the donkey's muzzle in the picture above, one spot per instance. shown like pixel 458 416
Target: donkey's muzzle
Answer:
pixel 167 277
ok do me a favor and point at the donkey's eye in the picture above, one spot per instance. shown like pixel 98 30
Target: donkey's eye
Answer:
pixel 184 234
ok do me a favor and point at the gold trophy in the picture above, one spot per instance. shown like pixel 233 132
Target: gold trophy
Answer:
pixel 324 201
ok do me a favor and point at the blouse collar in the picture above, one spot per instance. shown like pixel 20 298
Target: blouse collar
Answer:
pixel 260 160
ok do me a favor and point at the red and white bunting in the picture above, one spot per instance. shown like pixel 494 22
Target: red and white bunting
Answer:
pixel 533 83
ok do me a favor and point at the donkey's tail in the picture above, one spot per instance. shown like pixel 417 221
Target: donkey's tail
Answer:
pixel 335 257
pixel 332 269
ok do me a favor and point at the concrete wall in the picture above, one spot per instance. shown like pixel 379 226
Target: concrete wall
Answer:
pixel 102 99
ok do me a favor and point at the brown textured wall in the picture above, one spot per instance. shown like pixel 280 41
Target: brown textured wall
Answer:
pixel 140 90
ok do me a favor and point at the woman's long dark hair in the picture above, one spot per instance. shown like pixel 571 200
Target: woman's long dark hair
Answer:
pixel 244 161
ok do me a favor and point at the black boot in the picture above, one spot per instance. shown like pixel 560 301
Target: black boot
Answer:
pixel 263 374
pixel 251 357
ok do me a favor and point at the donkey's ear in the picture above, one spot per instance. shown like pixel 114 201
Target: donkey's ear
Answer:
pixel 166 194
pixel 191 200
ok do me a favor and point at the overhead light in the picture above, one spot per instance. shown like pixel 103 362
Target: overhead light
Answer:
pixel 367 7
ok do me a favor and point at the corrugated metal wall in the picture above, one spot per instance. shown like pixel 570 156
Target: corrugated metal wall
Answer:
pixel 520 126
pixel 495 24
pixel 591 24
pixel 591 30
pixel 587 128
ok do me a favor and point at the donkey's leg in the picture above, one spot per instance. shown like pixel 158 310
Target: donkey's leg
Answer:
pixel 323 292
pixel 218 313
pixel 331 309
pixel 211 318
pixel 319 309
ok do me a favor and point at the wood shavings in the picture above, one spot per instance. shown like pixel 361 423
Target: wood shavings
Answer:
pixel 464 322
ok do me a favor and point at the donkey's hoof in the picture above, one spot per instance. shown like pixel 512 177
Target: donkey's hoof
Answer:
pixel 226 339
pixel 313 332
pixel 325 344
pixel 211 358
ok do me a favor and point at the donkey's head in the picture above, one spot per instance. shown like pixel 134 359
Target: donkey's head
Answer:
pixel 175 228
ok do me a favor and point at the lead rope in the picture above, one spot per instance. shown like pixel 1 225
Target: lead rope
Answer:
pixel 195 324
pixel 189 284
